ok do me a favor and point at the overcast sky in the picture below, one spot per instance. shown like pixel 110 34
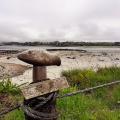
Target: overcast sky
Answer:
pixel 75 20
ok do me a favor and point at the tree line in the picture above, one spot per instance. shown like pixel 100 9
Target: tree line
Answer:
pixel 62 44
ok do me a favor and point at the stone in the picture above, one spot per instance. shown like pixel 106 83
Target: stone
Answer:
pixel 44 87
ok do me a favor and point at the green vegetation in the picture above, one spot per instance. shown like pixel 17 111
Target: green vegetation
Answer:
pixel 88 78
pixel 10 96
pixel 14 115
pixel 101 104
pixel 7 87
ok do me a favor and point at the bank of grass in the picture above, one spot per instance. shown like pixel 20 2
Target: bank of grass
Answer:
pixel 88 77
pixel 101 104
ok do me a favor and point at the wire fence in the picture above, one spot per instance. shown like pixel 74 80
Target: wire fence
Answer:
pixel 63 96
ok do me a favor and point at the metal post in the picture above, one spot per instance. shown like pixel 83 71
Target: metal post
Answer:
pixel 39 73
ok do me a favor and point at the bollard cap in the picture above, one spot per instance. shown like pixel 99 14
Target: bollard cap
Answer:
pixel 39 58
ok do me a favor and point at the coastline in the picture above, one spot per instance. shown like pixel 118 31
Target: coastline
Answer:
pixel 71 59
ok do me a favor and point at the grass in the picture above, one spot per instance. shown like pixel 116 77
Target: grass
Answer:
pixel 10 95
pixel 88 77
pixel 90 106
pixel 14 115
pixel 7 87
pixel 101 104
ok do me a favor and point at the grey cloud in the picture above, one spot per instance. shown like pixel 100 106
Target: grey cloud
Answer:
pixel 83 20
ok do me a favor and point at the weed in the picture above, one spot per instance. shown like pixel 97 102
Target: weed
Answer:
pixel 6 86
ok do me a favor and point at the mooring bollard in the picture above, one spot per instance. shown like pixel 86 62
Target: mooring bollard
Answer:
pixel 39 60
pixel 40 95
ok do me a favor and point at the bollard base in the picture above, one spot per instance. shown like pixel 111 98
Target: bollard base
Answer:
pixel 41 108
pixel 39 73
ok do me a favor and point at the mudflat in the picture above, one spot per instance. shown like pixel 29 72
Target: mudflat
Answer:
pixel 21 72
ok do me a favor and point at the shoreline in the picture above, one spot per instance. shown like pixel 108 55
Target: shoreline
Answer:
pixel 71 59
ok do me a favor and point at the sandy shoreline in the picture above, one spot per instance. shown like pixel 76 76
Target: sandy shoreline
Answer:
pixel 70 60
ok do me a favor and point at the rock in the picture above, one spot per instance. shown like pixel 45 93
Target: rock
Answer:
pixel 71 57
pixel 101 60
pixel 117 59
pixel 11 69
pixel 104 53
pixel 8 57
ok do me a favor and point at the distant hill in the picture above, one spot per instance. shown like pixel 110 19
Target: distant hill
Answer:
pixel 62 44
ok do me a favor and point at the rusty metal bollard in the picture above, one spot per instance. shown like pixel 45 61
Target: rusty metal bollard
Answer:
pixel 39 60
